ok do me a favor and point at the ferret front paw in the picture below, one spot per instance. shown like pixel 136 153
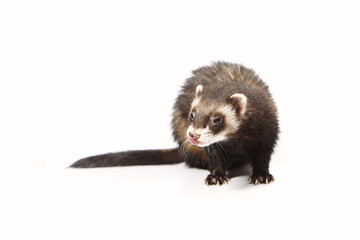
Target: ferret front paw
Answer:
pixel 216 180
pixel 261 178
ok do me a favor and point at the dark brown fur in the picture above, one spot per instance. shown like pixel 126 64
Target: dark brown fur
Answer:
pixel 253 142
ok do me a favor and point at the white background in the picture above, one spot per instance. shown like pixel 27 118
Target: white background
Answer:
pixel 87 77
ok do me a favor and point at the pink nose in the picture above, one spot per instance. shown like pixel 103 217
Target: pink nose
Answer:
pixel 194 136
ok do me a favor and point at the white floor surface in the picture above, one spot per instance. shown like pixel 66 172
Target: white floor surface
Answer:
pixel 79 78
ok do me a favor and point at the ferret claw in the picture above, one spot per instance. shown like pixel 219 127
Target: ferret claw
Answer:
pixel 261 178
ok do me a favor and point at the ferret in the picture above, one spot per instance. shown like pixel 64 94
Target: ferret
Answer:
pixel 223 116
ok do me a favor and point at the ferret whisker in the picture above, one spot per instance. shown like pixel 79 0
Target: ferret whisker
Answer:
pixel 182 149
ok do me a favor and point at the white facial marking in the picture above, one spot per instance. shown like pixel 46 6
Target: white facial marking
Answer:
pixel 242 100
pixel 204 133
pixel 195 102
pixel 207 137
pixel 231 119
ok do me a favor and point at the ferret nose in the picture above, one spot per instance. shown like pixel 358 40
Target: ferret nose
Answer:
pixel 194 136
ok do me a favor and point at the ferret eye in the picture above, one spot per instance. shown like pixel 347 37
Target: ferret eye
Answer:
pixel 217 121
pixel 192 116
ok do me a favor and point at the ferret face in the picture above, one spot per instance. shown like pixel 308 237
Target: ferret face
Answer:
pixel 211 123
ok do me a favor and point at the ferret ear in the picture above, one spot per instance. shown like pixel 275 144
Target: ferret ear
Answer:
pixel 241 102
pixel 198 91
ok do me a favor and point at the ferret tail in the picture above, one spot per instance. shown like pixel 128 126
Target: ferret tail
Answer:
pixel 130 158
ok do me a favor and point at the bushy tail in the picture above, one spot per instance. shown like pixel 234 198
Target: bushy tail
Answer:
pixel 130 158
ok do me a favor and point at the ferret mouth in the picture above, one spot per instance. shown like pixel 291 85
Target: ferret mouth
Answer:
pixel 193 141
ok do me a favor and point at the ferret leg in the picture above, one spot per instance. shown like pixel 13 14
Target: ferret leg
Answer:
pixel 217 166
pixel 260 165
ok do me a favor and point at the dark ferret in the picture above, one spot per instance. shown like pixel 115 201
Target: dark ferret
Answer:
pixel 223 116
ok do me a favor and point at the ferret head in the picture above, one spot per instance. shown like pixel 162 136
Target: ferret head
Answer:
pixel 214 118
